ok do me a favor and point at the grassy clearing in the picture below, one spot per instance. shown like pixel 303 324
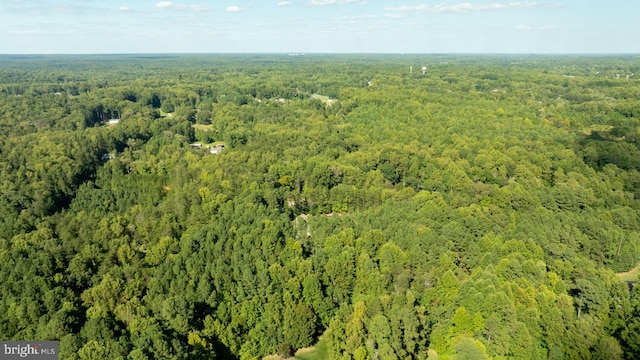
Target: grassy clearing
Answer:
pixel 603 131
pixel 601 128
pixel 202 127
pixel 631 275
pixel 164 114
pixel 324 99
pixel 318 352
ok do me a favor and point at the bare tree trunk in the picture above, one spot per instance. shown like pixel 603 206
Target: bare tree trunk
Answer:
pixel 620 245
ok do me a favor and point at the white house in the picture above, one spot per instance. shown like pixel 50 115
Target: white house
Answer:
pixel 216 149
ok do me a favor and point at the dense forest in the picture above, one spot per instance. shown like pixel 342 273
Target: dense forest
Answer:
pixel 239 206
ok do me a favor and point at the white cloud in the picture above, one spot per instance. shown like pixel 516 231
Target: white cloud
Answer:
pixel 24 32
pixel 123 8
pixel 360 19
pixel 538 28
pixel 334 2
pixel 170 5
pixel 194 7
pixel 284 3
pixel 460 7
pixel 232 8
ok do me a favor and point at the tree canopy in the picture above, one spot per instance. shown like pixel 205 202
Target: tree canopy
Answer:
pixel 245 205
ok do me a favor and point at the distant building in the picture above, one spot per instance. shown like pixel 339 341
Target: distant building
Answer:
pixel 107 156
pixel 113 121
pixel 196 146
pixel 216 149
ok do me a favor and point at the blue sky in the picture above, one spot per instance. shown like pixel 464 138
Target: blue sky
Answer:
pixel 324 26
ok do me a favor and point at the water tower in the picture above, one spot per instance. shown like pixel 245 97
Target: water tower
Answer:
pixel 424 70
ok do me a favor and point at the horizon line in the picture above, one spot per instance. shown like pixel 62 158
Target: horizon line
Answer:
pixel 304 53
